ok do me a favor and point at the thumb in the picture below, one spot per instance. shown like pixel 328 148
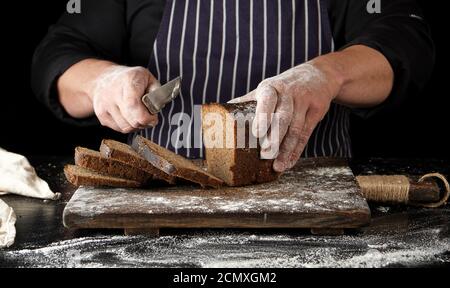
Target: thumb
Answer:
pixel 153 83
pixel 153 86
pixel 247 98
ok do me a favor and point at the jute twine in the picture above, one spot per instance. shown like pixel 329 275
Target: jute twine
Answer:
pixel 395 189
pixel 446 195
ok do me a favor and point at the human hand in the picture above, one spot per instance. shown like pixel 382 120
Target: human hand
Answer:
pixel 289 107
pixel 116 97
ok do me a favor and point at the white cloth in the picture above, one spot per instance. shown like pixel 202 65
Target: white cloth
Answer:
pixel 18 177
pixel 7 229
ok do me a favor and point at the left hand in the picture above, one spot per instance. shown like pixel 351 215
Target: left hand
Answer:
pixel 291 105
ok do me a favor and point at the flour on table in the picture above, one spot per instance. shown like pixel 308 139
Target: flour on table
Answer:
pixel 231 249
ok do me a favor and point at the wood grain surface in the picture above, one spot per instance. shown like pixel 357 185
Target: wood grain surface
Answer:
pixel 319 193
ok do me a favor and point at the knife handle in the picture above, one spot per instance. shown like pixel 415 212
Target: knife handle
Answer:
pixel 150 106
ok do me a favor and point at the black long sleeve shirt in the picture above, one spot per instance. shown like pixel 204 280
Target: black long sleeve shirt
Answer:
pixel 123 31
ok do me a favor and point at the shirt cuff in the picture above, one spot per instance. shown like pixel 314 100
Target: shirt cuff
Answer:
pixel 61 65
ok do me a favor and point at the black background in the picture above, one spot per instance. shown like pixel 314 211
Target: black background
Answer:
pixel 418 130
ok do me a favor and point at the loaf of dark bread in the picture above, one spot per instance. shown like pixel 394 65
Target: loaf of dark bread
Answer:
pixel 236 163
pixel 80 176
pixel 173 164
pixel 122 152
pixel 94 161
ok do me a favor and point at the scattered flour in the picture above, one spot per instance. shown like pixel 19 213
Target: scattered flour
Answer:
pixel 383 209
pixel 241 249
pixel 409 243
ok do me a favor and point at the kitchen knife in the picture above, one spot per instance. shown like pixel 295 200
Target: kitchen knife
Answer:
pixel 156 100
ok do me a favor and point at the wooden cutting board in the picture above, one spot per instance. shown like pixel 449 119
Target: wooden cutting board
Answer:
pixel 320 194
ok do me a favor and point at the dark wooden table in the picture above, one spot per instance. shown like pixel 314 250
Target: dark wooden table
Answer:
pixel 397 236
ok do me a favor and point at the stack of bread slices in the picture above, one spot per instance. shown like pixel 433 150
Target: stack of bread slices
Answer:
pixel 144 162
pixel 120 165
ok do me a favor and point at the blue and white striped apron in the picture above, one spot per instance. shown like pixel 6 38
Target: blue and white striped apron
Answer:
pixel 223 49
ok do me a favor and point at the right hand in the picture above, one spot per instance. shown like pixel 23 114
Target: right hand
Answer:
pixel 116 98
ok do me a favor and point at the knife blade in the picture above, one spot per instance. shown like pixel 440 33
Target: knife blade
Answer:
pixel 156 100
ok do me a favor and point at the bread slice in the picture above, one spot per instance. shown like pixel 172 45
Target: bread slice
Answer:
pixel 122 152
pixel 236 159
pixel 80 176
pixel 173 164
pixel 94 161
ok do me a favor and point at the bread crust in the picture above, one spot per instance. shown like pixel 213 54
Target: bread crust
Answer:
pixel 236 166
pixel 122 152
pixel 79 176
pixel 174 164
pixel 94 161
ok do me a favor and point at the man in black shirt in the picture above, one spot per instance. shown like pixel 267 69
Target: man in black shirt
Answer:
pixel 281 53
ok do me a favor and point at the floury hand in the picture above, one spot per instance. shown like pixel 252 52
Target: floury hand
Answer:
pixel 290 105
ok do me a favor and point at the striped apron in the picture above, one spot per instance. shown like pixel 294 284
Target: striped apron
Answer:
pixel 223 49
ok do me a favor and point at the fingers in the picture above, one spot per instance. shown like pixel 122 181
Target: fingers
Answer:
pixel 134 111
pixel 267 99
pixel 117 98
pixel 138 116
pixel 308 128
pixel 153 83
pixel 295 142
pixel 270 146
pixel 124 126
pixel 131 107
pixel 247 98
pixel 115 120
pixel 290 141
pixel 107 121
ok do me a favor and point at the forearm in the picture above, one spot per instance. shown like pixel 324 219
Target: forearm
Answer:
pixel 364 76
pixel 75 87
